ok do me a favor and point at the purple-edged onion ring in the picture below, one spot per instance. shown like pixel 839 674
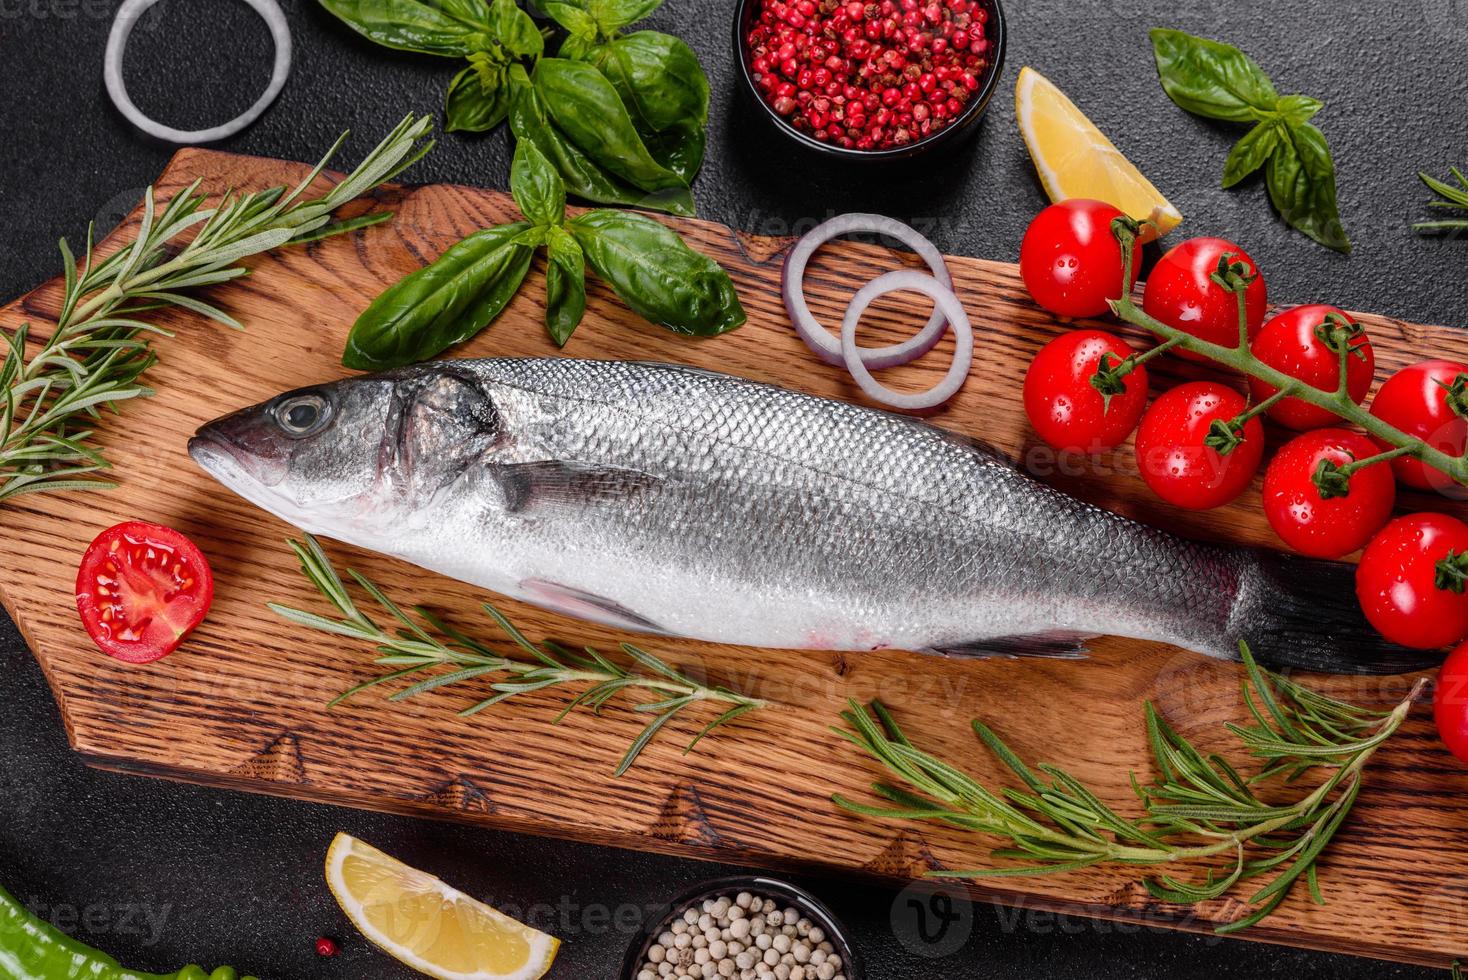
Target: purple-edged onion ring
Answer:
pixel 817 337
pixel 948 306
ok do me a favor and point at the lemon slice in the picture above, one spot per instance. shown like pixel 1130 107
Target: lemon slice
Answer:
pixel 1075 159
pixel 429 926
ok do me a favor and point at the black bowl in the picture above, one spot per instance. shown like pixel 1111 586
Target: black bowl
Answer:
pixel 781 891
pixel 951 135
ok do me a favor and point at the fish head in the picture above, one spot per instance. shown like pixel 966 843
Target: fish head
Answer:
pixel 351 453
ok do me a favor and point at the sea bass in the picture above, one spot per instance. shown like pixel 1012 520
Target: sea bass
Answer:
pixel 665 499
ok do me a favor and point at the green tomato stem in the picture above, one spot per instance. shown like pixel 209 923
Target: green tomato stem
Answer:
pixel 1241 359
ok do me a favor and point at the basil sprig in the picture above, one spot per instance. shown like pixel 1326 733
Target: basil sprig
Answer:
pixel 1219 81
pixel 622 117
pixel 646 263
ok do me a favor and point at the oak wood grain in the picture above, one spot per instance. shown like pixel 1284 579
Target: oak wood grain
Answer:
pixel 242 705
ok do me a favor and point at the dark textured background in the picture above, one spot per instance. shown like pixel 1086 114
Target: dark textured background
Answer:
pixel 237 878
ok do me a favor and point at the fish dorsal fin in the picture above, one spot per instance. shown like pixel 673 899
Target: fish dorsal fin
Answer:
pixel 1054 645
pixel 553 481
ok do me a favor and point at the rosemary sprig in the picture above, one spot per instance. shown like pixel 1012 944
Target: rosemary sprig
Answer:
pixel 421 648
pixel 1233 276
pixel 1453 198
pixel 99 349
pixel 1199 806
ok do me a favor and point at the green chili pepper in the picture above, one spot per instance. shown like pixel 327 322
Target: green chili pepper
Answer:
pixel 565 285
pixel 586 108
pixel 32 949
pixel 657 274
pixel 444 303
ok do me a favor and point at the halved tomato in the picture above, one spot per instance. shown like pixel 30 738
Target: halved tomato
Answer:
pixel 141 589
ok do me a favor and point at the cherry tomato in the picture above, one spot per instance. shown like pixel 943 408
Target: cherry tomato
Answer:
pixel 1181 293
pixel 141 589
pixel 1416 401
pixel 1406 584
pixel 1174 458
pixel 1070 260
pixel 1320 526
pixel 1450 703
pixel 1289 343
pixel 1068 411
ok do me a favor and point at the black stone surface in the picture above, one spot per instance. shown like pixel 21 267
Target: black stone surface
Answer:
pixel 161 874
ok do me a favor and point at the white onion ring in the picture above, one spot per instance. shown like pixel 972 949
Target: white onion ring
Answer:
pixel 817 337
pixel 948 305
pixel 122 27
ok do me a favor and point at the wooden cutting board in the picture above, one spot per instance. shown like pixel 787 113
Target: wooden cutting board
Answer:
pixel 242 705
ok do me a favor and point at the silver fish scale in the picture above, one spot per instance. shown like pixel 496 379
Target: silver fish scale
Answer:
pixel 761 516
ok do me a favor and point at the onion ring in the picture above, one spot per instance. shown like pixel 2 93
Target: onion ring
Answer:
pixel 948 304
pixel 122 28
pixel 817 337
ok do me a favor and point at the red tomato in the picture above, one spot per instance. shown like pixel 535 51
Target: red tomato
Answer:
pixel 1181 293
pixel 1416 401
pixel 1070 260
pixel 1068 411
pixel 1288 343
pixel 1319 526
pixel 1450 703
pixel 1175 461
pixel 1404 585
pixel 141 589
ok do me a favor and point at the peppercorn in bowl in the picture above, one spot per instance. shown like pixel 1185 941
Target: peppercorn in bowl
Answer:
pixel 882 80
pixel 743 927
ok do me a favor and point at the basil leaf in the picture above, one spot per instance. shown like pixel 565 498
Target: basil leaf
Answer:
pixel 1299 109
pixel 1301 180
pixel 515 29
pixel 657 274
pixel 444 303
pixel 680 150
pixel 612 15
pixel 409 25
pixel 582 176
pixel 658 77
pixel 587 109
pixel 565 285
pixel 1211 79
pixel 572 18
pixel 478 98
pixel 1251 152
pixel 469 11
pixel 537 188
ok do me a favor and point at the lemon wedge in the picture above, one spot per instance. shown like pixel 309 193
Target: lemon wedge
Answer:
pixel 429 926
pixel 1075 159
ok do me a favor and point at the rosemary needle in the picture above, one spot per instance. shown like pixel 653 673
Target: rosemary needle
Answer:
pixel 421 647
pixel 1451 197
pixel 100 348
pixel 1198 808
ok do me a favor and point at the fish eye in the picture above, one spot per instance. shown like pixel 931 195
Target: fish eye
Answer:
pixel 303 415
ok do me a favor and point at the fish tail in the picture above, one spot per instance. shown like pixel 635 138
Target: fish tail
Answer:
pixel 1303 613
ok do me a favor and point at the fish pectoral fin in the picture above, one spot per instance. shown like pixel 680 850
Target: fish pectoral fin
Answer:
pixel 1054 645
pixel 527 485
pixel 581 604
